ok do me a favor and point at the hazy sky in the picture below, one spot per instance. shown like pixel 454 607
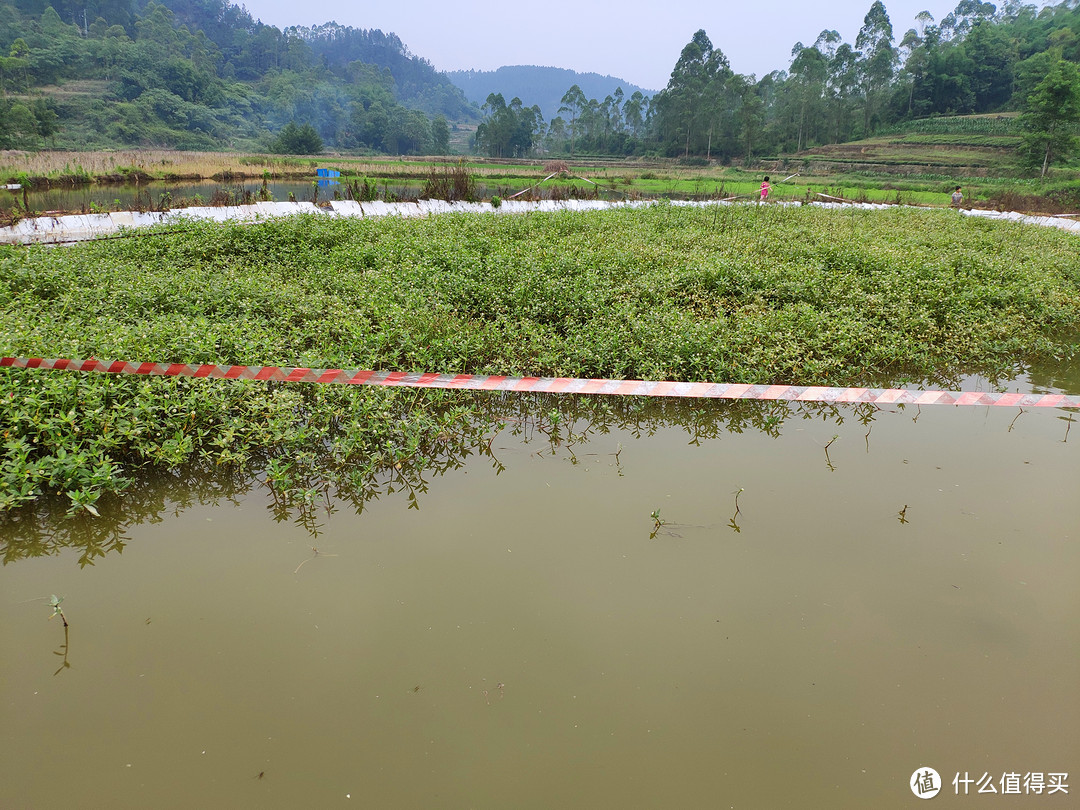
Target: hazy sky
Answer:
pixel 633 40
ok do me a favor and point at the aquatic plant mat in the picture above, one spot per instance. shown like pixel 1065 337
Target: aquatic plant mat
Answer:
pixel 754 295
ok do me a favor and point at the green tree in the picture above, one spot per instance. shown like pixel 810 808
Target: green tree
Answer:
pixel 808 73
pixel 296 139
pixel 556 137
pixel 840 85
pixel 988 47
pixel 494 133
pixel 373 124
pixel 634 113
pixel 440 135
pixel 877 63
pixel 18 126
pixel 48 122
pixel 752 115
pixel 507 130
pixel 19 49
pixel 1050 116
pixel 689 107
pixel 575 103
pixel 410 133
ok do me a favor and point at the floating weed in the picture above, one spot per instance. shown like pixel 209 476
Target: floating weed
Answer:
pixel 733 523
pixel 1013 422
pixel 54 603
pixel 1068 426
pixel 828 461
pixel 657 522
pixel 63 653
pixel 316 553
pixel 499 691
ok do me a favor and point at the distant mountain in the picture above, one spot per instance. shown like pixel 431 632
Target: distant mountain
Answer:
pixel 542 86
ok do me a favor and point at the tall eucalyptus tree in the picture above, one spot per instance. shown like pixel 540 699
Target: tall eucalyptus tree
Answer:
pixel 877 62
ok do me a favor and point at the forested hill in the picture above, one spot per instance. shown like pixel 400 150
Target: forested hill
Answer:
pixel 204 74
pixel 417 82
pixel 542 86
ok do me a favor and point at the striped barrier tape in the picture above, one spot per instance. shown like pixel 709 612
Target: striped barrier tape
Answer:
pixel 554 385
pixel 530 188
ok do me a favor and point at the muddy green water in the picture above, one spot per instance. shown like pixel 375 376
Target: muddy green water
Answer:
pixel 131 197
pixel 152 195
pixel 520 641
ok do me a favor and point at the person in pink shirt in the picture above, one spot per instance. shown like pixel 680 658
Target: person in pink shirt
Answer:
pixel 765 189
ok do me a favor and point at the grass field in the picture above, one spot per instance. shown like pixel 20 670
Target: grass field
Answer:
pixel 917 162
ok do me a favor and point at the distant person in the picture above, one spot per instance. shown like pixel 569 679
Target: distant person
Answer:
pixel 765 189
pixel 957 197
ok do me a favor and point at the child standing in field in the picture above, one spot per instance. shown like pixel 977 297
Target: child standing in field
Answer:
pixel 765 189
pixel 957 197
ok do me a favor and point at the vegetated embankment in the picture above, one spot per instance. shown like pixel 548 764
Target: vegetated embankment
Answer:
pixel 755 294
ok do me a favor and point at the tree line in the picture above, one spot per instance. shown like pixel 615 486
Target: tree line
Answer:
pixel 616 125
pixel 203 74
pixel 977 59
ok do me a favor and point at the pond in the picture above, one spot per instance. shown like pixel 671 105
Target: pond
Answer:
pixel 669 609
pixel 151 195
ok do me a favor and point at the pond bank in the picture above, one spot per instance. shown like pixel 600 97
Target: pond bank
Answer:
pixel 753 295
pixel 84 227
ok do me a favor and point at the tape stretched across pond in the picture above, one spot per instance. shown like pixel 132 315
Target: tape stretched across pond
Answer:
pixel 552 385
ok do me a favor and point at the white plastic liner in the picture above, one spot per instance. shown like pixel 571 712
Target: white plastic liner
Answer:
pixel 80 227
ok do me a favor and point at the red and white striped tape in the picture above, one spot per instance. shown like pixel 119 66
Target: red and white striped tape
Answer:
pixel 554 385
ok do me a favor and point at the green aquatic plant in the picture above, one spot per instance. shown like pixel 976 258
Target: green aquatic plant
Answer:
pixel 316 553
pixel 775 295
pixel 732 524
pixel 657 522
pixel 828 461
pixel 54 603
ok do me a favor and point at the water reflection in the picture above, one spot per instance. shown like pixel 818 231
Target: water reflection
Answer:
pixel 1057 376
pixel 321 487
pixel 553 425
pixel 63 652
pixel 158 196
pixel 42 529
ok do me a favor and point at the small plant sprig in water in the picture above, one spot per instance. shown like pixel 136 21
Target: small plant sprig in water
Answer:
pixel 828 461
pixel 657 522
pixel 54 603
pixel 731 523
